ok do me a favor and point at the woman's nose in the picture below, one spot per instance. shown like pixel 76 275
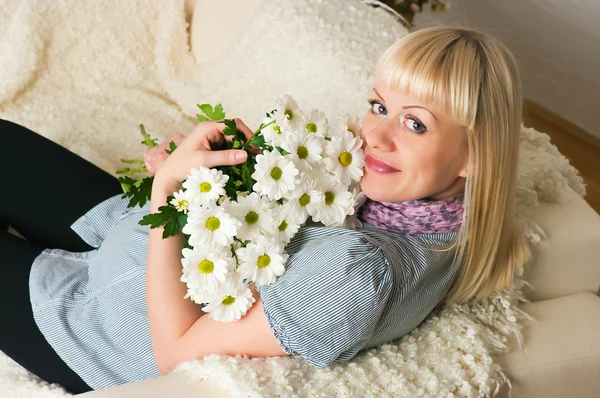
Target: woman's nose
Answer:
pixel 379 136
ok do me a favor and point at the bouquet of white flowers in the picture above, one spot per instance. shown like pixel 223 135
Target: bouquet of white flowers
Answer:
pixel 237 220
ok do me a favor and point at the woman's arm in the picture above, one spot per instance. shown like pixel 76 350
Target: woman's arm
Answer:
pixel 178 328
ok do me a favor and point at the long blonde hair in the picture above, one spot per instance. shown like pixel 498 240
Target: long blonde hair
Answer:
pixel 474 78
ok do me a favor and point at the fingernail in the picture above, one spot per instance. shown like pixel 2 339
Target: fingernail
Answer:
pixel 241 155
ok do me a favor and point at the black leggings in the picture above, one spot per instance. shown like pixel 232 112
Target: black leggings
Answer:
pixel 46 188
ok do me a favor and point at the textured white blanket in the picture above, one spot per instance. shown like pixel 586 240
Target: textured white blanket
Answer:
pixel 86 74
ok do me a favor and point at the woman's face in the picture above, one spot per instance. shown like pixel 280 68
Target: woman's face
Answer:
pixel 413 150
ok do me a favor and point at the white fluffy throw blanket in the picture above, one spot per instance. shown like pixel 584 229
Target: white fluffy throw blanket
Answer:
pixel 86 73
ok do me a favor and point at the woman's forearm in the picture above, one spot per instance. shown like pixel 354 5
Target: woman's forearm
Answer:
pixel 170 315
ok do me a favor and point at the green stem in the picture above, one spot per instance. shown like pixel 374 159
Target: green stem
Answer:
pixel 132 161
pixel 148 141
pixel 127 170
pixel 247 143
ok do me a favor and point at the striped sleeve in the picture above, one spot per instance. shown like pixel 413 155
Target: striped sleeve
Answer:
pixel 328 302
pixel 94 226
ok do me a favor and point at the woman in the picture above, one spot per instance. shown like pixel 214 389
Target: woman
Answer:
pixel 441 142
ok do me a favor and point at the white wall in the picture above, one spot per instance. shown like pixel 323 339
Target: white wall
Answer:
pixel 556 43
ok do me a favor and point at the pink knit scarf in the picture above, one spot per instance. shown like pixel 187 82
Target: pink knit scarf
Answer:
pixel 415 216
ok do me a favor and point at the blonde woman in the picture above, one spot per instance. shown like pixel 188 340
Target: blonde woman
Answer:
pixel 441 142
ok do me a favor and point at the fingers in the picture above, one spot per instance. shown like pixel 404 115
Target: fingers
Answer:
pixel 228 157
pixel 212 132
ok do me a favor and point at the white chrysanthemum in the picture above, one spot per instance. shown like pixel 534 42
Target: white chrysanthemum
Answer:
pixel 353 124
pixel 306 200
pixel 205 270
pixel 210 227
pixel 275 175
pixel 315 122
pixel 232 302
pixel 287 113
pixel 180 201
pixel 344 158
pixel 338 204
pixel 204 186
pixel 273 133
pixel 351 221
pixel 255 215
pixel 305 149
pixel 287 223
pixel 262 262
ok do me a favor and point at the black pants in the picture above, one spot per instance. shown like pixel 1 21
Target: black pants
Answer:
pixel 45 188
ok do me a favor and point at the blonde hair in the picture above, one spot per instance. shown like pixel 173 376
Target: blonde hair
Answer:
pixel 474 78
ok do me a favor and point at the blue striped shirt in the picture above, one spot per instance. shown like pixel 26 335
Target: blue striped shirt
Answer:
pixel 343 291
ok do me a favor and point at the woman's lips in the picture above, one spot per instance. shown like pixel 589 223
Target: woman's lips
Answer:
pixel 378 166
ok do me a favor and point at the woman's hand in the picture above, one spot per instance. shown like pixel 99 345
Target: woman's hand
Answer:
pixel 197 150
pixel 156 156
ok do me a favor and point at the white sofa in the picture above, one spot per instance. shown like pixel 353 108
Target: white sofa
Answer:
pixel 562 347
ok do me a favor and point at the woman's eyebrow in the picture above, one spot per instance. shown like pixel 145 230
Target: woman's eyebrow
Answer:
pixel 417 106
pixel 407 106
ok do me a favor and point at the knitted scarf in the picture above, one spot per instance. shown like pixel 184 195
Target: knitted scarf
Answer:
pixel 415 216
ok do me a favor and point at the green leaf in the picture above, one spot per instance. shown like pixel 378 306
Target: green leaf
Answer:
pixel 172 147
pixel 282 151
pixel 212 114
pixel 231 128
pixel 202 118
pixel 139 191
pixel 258 141
pixel 148 141
pixel 219 114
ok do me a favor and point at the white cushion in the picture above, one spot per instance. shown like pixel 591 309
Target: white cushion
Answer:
pixel 561 356
pixel 569 262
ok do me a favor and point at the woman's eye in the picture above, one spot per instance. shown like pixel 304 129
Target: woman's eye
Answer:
pixel 377 108
pixel 415 125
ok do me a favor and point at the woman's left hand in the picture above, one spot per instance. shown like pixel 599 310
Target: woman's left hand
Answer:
pixel 195 151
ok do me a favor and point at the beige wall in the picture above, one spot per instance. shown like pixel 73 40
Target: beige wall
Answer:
pixel 557 45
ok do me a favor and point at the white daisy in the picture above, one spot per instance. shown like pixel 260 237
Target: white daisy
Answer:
pixel 262 262
pixel 344 158
pixel 353 124
pixel 305 149
pixel 210 227
pixel 273 133
pixel 287 112
pixel 232 302
pixel 180 201
pixel 306 200
pixel 205 270
pixel 315 122
pixel 351 221
pixel 287 223
pixel 204 186
pixel 275 175
pixel 338 204
pixel 255 215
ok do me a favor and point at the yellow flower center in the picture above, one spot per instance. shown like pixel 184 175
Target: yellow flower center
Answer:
pixel 345 159
pixel 311 128
pixel 182 203
pixel 277 129
pixel 304 199
pixel 206 266
pixel 251 217
pixel 276 173
pixel 205 187
pixel 289 114
pixel 213 223
pixel 302 152
pixel 283 226
pixel 228 300
pixel 263 261
pixel 329 198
